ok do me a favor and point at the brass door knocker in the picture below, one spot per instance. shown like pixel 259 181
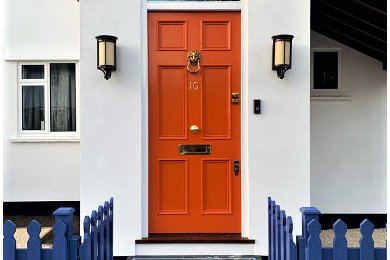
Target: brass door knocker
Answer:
pixel 193 60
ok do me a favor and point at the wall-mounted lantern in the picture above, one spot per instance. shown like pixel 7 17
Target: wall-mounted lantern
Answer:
pixel 106 54
pixel 281 53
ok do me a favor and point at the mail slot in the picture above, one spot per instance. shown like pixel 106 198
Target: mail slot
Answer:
pixel 194 149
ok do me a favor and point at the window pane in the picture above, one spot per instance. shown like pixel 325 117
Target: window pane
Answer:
pixel 33 108
pixel 62 97
pixel 33 71
pixel 325 70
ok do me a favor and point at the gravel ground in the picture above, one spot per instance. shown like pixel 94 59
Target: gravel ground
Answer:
pixel 353 237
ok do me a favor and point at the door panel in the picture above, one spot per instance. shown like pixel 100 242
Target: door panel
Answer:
pixel 216 83
pixel 216 187
pixel 197 193
pixel 172 102
pixel 173 198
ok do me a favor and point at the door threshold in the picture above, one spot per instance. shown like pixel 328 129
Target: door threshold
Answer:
pixel 195 238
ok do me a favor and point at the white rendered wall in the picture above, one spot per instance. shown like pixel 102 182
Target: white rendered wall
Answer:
pixel 45 30
pixel 277 141
pixel 41 29
pixel 348 138
pixel 279 138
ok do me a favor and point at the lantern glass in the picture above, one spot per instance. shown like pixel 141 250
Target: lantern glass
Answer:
pixel 282 52
pixel 110 54
pixel 106 53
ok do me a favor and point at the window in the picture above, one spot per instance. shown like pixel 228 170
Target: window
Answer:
pixel 47 104
pixel 325 76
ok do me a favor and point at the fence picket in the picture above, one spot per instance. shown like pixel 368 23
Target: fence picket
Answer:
pixel 291 253
pixel 340 250
pixel 60 243
pixel 111 219
pixel 85 248
pixel 269 228
pixel 34 243
pixel 106 231
pixel 277 233
pixel 272 228
pixel 314 246
pixel 366 241
pixel 100 234
pixel 94 243
pixel 9 242
pixel 282 235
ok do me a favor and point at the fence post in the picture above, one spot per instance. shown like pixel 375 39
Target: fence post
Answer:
pixel 314 246
pixel 308 214
pixel 66 215
pixel 9 242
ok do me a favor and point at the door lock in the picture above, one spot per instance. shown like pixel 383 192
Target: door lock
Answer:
pixel 236 167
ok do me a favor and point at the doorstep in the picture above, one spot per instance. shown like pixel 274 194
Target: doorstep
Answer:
pixel 195 238
pixel 197 258
pixel 194 249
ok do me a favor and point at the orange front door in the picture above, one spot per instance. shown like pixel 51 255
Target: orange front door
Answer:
pixel 194 193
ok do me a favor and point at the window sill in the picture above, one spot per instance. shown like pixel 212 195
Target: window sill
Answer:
pixel 331 98
pixel 45 140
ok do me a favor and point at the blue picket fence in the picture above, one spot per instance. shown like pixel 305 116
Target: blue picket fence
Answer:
pixel 96 244
pixel 308 246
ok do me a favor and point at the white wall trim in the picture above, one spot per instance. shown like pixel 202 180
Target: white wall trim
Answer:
pixel 44 140
pixel 188 6
pixel 331 98
pixel 194 249
pixel 195 6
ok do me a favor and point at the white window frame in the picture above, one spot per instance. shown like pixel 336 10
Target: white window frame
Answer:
pixel 325 92
pixel 46 133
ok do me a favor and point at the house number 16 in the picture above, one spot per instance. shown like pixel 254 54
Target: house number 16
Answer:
pixel 194 85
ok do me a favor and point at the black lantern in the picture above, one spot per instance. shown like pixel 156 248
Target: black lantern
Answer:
pixel 281 53
pixel 106 54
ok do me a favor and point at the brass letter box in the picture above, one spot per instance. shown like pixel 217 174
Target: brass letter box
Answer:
pixel 194 149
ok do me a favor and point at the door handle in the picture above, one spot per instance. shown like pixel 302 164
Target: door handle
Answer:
pixel 194 129
pixel 236 166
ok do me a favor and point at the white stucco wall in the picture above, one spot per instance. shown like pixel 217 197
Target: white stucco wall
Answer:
pixel 45 30
pixel 348 138
pixel 276 153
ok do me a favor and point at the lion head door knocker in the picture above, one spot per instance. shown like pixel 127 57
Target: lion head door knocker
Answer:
pixel 193 60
